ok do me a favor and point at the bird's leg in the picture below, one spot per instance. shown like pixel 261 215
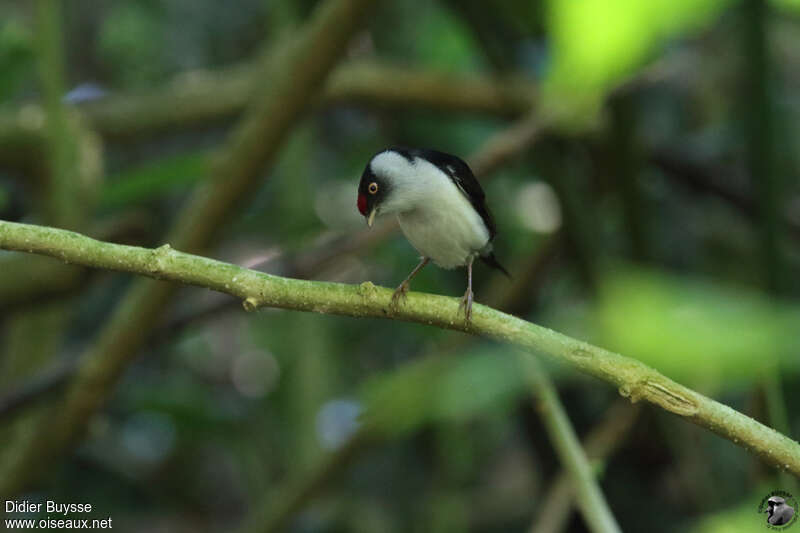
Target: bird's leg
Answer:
pixel 466 301
pixel 401 291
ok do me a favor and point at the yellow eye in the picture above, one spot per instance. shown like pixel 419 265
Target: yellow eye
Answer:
pixel 373 188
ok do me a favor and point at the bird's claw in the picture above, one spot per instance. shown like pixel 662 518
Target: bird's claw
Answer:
pixel 400 294
pixel 466 305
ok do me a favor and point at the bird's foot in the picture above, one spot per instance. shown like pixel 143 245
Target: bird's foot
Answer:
pixel 400 293
pixel 466 305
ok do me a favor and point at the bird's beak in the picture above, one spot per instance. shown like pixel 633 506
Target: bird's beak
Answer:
pixel 371 218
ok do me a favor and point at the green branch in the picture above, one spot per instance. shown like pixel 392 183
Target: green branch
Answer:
pixel 61 145
pixel 634 379
pixel 69 171
pixel 601 441
pixel 590 500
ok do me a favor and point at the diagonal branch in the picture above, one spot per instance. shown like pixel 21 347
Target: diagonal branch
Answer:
pixel 593 505
pixel 634 379
pixel 601 441
pixel 37 388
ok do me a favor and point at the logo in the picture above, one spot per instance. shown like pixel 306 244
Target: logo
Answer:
pixel 779 509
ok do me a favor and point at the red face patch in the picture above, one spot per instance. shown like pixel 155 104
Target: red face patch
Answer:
pixel 362 204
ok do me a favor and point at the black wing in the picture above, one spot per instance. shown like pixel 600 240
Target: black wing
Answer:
pixel 460 173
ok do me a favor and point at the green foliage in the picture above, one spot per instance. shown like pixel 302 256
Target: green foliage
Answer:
pixel 477 384
pixel 596 43
pixel 398 403
pixel 737 518
pixel 457 387
pixel 445 43
pixel 16 56
pixel 790 5
pixel 153 180
pixel 5 198
pixel 131 43
pixel 458 431
pixel 696 331
pixel 429 34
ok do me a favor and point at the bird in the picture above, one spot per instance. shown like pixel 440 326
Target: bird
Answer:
pixel 778 512
pixel 440 206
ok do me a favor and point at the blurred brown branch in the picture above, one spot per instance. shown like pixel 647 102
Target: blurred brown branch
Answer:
pixel 273 512
pixel 508 143
pixel 204 97
pixel 706 178
pixel 37 388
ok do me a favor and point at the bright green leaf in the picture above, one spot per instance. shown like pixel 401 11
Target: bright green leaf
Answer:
pixel 595 43
pixel 695 331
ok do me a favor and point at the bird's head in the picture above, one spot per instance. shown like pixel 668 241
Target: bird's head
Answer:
pixel 388 184
pixel 774 501
pixel 371 194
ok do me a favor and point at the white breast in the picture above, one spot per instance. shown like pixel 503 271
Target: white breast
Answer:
pixel 443 225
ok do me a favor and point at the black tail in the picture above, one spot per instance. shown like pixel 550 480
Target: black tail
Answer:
pixel 492 261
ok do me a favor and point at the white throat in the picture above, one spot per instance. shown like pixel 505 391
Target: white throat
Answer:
pixel 435 216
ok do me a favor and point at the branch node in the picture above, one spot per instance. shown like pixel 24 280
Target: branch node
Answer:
pixel 583 353
pixel 670 399
pixel 625 391
pixel 367 289
pixel 158 256
pixel 250 304
pixel 660 394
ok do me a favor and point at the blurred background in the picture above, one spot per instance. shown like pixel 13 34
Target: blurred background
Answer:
pixel 640 159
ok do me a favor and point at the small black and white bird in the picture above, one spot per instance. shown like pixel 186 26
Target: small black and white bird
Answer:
pixel 440 206
pixel 779 513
